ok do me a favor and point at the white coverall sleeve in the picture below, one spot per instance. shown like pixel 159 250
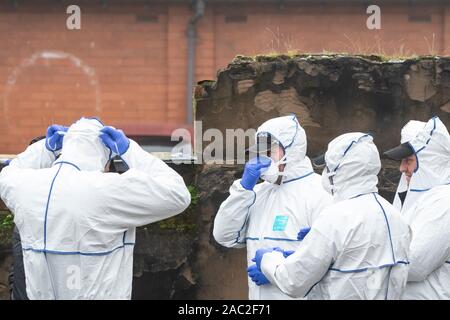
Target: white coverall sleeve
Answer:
pixel 430 244
pixel 36 156
pixel 299 272
pixel 148 192
pixel 230 224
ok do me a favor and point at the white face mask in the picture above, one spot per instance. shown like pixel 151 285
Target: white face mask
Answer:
pixel 272 173
pixel 327 182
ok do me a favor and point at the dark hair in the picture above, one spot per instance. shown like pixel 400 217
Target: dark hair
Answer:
pixel 36 139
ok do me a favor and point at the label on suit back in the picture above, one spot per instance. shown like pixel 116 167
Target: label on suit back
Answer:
pixel 280 223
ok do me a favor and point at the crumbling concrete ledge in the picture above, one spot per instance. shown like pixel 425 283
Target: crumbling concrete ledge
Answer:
pixel 330 94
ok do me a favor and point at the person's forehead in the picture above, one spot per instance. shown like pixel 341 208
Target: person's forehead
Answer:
pixel 410 157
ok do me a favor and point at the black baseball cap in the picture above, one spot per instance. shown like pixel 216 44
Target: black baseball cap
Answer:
pixel 400 152
pixel 264 143
pixel 319 161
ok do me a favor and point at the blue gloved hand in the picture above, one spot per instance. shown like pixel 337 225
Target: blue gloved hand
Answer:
pixel 303 232
pixel 54 137
pixel 252 171
pixel 115 140
pixel 286 253
pixel 257 276
pixel 259 255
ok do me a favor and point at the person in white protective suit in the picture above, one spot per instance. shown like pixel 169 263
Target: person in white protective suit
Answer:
pixel 273 212
pixel 77 222
pixel 358 247
pixel 423 195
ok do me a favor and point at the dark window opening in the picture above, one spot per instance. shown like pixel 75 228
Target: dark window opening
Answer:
pixel 419 18
pixel 147 18
pixel 236 19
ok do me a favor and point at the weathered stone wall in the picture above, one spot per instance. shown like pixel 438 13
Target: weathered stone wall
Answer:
pixel 178 257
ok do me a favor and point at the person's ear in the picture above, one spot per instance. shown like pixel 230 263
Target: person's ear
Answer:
pixel 108 166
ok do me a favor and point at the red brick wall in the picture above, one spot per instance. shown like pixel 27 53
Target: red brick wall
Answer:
pixel 327 28
pixel 124 69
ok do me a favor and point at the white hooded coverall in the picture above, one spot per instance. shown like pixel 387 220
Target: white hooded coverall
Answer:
pixel 77 223
pixel 272 215
pixel 427 210
pixel 358 247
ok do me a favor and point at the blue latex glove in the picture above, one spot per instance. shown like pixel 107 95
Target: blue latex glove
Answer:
pixel 115 140
pixel 259 255
pixel 54 137
pixel 252 171
pixel 257 276
pixel 303 232
pixel 286 253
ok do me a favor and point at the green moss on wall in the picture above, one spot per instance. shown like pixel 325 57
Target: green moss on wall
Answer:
pixel 6 227
pixel 184 222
